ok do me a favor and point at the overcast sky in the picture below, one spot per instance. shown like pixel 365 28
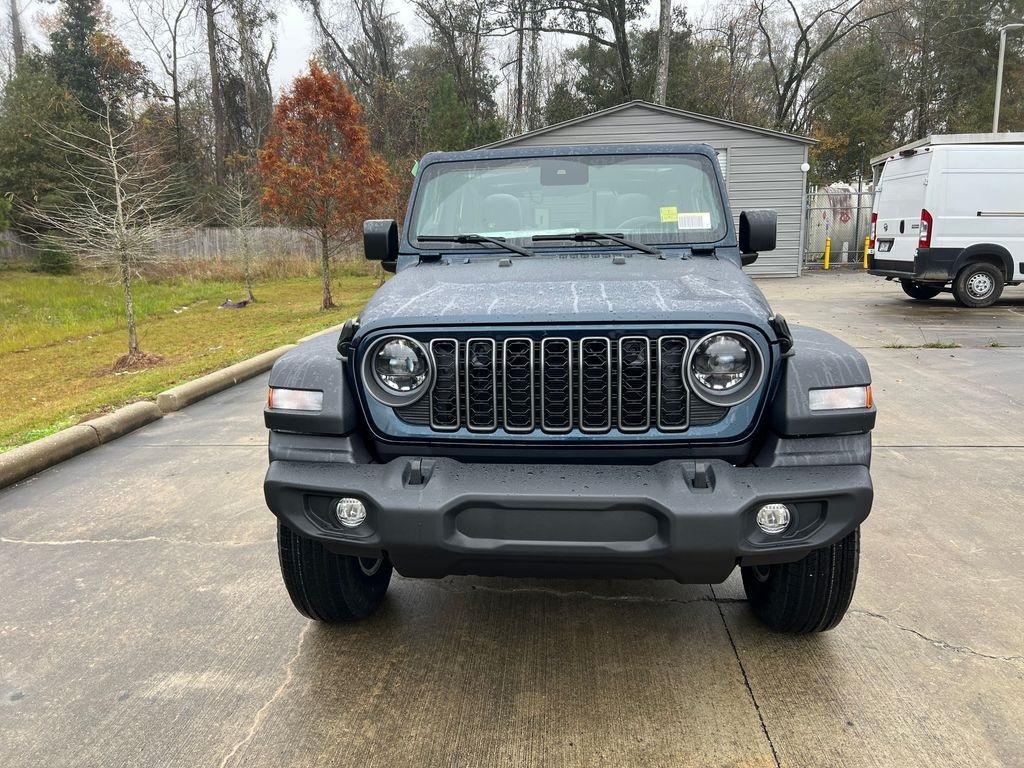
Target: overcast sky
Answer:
pixel 295 38
pixel 295 33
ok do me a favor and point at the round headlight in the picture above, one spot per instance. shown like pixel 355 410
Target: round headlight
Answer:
pixel 721 363
pixel 400 365
pixel 725 368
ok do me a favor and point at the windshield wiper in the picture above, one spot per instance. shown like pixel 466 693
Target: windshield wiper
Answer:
pixel 615 237
pixel 499 241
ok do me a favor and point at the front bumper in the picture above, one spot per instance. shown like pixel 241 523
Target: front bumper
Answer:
pixel 691 521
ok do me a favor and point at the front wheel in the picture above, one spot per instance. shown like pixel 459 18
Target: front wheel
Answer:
pixel 978 285
pixel 810 595
pixel 326 586
pixel 918 291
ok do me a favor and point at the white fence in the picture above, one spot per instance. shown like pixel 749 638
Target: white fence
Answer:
pixel 215 243
pixel 201 244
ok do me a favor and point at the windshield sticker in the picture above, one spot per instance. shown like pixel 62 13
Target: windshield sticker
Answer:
pixel 695 220
pixel 669 213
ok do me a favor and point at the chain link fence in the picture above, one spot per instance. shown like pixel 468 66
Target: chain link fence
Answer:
pixel 841 214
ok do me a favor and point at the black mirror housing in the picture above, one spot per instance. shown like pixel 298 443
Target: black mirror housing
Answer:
pixel 758 230
pixel 380 240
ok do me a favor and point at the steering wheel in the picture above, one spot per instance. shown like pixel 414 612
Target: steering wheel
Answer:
pixel 638 221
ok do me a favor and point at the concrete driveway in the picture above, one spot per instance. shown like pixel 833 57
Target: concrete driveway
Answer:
pixel 143 622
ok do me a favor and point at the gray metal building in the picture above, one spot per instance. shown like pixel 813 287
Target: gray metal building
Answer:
pixel 762 168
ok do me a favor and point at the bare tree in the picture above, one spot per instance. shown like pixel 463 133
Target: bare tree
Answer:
pixel 240 210
pixel 664 41
pixel 603 22
pixel 334 20
pixel 460 28
pixel 220 134
pixel 119 205
pixel 252 20
pixel 168 26
pixel 793 41
pixel 17 36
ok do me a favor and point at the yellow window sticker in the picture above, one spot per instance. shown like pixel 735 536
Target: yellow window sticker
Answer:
pixel 669 214
pixel 695 220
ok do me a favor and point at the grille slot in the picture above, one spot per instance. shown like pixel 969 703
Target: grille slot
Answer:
pixel 634 383
pixel 595 384
pixel 517 378
pixel 444 397
pixel 556 385
pixel 673 401
pixel 481 385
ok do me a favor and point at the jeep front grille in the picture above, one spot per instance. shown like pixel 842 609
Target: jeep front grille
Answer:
pixel 557 384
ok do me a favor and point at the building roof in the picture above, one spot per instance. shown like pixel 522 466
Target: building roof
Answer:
pixel 951 138
pixel 681 113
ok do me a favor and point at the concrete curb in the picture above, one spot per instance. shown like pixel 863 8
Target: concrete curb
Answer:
pixel 178 397
pixel 124 420
pixel 25 460
pixel 18 463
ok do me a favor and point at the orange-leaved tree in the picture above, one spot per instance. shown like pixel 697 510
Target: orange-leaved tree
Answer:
pixel 317 168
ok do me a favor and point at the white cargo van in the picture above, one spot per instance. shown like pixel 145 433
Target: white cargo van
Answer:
pixel 949 215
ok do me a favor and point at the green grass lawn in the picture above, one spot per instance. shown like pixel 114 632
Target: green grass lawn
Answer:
pixel 60 336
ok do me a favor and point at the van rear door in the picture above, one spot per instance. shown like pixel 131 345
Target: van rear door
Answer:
pixel 899 198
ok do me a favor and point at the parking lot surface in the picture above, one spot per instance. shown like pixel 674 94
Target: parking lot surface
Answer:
pixel 144 621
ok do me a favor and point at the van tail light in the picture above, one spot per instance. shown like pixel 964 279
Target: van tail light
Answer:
pixel 874 229
pixel 925 238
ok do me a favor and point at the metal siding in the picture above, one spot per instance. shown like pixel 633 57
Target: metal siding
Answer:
pixel 763 171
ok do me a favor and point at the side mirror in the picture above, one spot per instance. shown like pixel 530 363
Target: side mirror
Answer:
pixel 757 233
pixel 380 241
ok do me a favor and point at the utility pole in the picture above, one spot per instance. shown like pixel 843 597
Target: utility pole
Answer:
pixel 999 72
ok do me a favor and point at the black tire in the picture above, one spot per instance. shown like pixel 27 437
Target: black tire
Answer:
pixel 326 586
pixel 810 595
pixel 919 291
pixel 978 285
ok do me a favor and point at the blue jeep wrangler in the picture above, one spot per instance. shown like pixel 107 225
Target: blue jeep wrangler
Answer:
pixel 571 376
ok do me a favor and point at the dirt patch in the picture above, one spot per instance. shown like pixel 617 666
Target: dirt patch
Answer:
pixel 135 362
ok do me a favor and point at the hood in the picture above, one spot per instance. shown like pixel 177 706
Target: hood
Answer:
pixel 567 288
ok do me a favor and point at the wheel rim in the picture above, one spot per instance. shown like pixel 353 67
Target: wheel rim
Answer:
pixel 980 285
pixel 369 565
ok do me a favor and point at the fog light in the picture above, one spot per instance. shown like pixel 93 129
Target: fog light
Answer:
pixel 350 512
pixel 773 518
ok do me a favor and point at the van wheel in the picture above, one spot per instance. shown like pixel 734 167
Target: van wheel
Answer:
pixel 810 595
pixel 326 586
pixel 978 285
pixel 918 291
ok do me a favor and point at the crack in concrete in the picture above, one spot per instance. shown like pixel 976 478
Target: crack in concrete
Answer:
pixel 714 599
pixel 941 644
pixel 584 595
pixel 261 713
pixel 746 678
pixel 143 539
pixel 964 445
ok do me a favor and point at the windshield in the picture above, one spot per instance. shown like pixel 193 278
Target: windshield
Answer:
pixel 651 198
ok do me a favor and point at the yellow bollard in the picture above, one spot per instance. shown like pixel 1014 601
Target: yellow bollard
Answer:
pixel 828 250
pixel 867 245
